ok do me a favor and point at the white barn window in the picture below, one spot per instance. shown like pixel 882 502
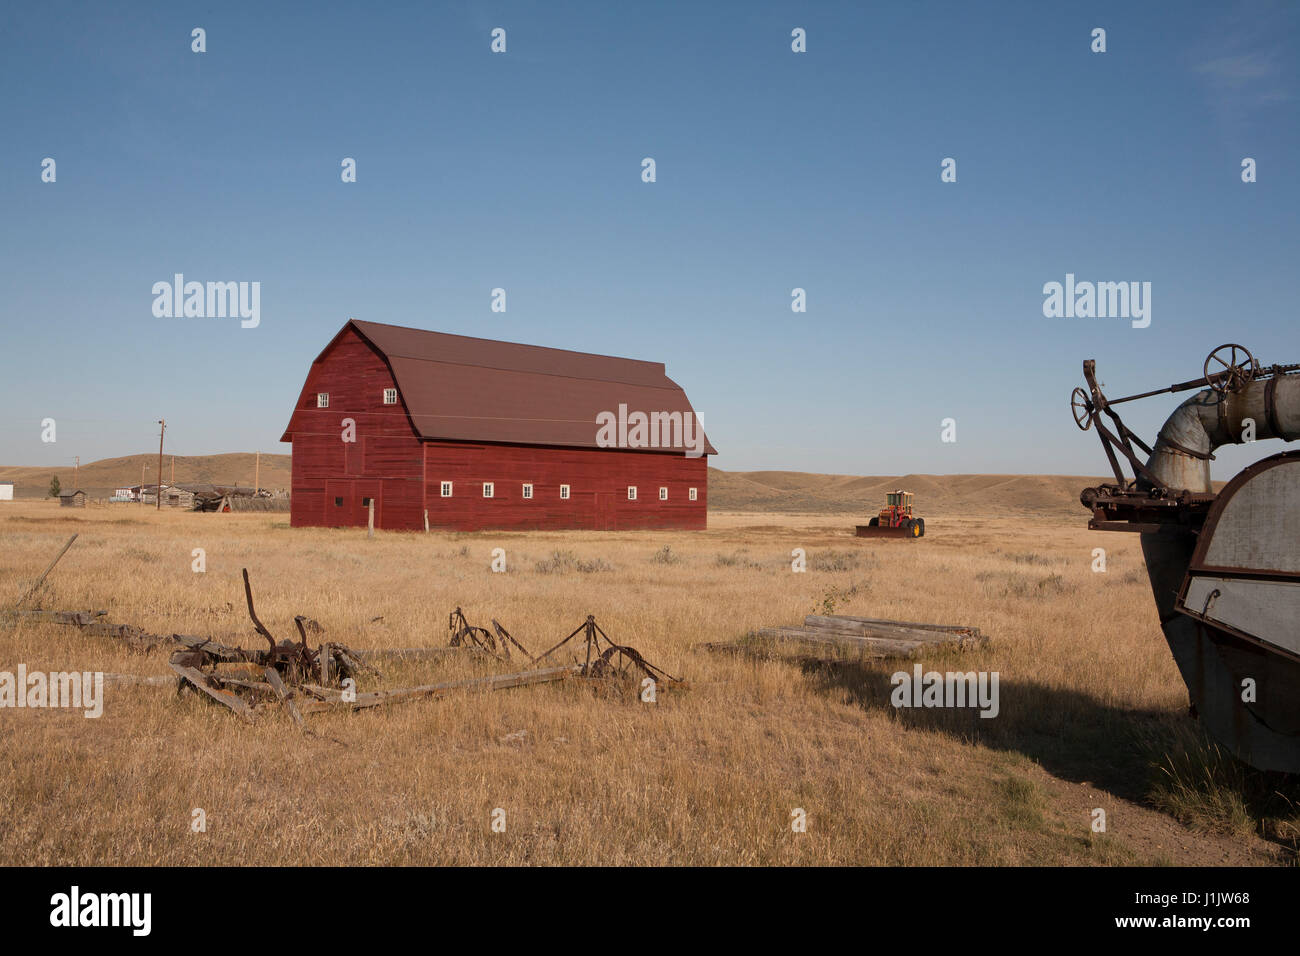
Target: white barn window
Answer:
pixel 322 399
pixel 528 490
pixel 663 494
pixel 446 489
pixel 488 489
pixel 693 494
pixel 564 492
pixel 631 492
pixel 390 396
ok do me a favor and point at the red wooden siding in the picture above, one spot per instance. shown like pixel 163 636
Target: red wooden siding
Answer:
pixel 385 461
pixel 402 472
pixel 597 479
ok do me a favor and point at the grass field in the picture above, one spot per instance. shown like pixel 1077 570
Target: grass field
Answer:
pixel 1092 711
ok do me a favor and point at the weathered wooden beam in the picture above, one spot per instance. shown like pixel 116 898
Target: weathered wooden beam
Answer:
pixel 200 682
pixel 399 695
pixel 843 640
pixel 867 627
pixel 850 622
pixel 41 580
pixel 273 678
pixel 149 680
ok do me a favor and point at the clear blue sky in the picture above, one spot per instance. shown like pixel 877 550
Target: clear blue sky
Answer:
pixel 775 170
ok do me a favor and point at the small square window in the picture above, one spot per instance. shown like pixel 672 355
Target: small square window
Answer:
pixel 338 502
pixel 528 491
pixel 693 494
pixel 631 492
pixel 663 494
pixel 322 399
pixel 390 396
pixel 446 489
pixel 488 489
pixel 564 492
pixel 365 502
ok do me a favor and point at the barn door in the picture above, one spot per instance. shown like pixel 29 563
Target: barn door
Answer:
pixel 363 492
pixel 604 512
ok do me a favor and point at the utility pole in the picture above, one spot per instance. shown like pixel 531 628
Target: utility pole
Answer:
pixel 173 471
pixel 162 431
pixel 76 471
pixel 142 467
pixel 257 474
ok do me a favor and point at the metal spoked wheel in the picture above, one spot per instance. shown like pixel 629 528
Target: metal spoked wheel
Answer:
pixel 1229 368
pixel 1081 406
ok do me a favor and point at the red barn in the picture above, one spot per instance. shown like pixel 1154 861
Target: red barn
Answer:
pixel 475 434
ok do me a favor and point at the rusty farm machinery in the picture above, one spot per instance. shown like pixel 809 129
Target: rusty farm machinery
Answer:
pixel 1224 567
pixel 303 679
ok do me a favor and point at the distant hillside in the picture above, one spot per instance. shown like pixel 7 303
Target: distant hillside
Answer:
pixel 795 491
pixel 99 478
pixel 771 491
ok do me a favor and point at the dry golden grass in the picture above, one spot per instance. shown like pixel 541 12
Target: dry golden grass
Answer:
pixel 585 772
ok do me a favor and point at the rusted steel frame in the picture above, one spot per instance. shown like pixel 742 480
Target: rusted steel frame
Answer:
pixel 1109 439
pixel 507 639
pixel 260 627
pixel 576 630
pixel 44 574
pixel 465 634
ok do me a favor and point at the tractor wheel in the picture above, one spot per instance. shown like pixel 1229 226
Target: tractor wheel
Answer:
pixel 874 522
pixel 920 527
pixel 914 528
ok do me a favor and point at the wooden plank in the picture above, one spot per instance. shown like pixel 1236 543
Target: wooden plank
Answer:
pixel 841 639
pixel 495 682
pixel 838 620
pixel 41 580
pixel 273 678
pixel 199 681
pixel 901 632
pixel 147 680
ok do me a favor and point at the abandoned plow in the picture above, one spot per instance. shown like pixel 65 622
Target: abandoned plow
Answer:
pixel 302 680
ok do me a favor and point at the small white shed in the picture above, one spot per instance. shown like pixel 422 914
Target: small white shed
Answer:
pixel 6 491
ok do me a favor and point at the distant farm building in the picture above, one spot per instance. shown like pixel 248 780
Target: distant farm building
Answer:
pixel 467 434
pixel 72 499
pixel 6 491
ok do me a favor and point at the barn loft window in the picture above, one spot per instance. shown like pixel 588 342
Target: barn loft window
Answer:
pixel 693 494
pixel 365 502
pixel 338 502
pixel 564 492
pixel 528 490
pixel 446 489
pixel 322 399
pixel 663 494
pixel 390 396
pixel 488 489
pixel 631 492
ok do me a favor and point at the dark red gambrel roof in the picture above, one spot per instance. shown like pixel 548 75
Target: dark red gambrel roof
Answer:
pixel 461 388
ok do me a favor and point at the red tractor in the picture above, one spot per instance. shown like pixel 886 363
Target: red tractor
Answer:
pixel 895 519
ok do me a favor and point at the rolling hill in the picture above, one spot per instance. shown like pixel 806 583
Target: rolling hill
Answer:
pixel 98 479
pixel 753 491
